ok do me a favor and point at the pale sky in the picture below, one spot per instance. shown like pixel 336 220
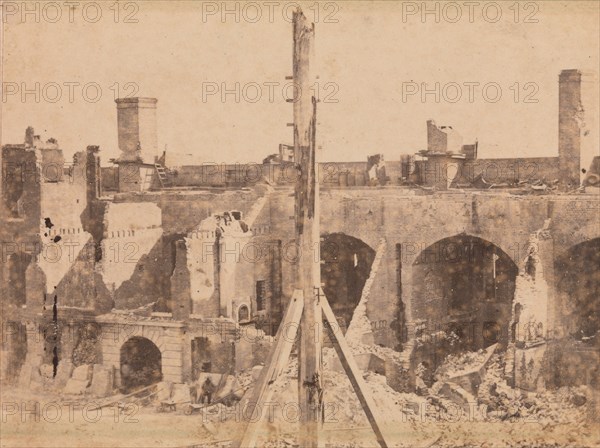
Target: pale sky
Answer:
pixel 365 50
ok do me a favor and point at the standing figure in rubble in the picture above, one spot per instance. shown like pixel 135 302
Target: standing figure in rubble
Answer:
pixel 208 389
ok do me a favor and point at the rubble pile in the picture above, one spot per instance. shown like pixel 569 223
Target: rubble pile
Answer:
pixel 377 350
pixel 565 405
pixel 460 363
pixel 343 412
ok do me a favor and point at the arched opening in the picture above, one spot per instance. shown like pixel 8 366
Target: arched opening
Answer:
pixel 141 364
pixel 578 284
pixel 578 290
pixel 463 288
pixel 243 313
pixel 345 267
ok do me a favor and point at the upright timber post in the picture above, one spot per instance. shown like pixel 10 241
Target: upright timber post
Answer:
pixel 310 383
pixel 308 308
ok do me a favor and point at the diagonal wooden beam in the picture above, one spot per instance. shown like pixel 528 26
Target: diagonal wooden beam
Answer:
pixel 274 365
pixel 353 372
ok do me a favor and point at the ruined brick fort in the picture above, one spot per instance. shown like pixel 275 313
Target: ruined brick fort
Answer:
pixel 193 266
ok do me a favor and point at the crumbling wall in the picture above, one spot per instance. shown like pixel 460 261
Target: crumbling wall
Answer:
pixel 180 303
pixel 13 350
pixel 443 138
pixel 147 284
pixel 530 308
pixel 61 231
pixel 510 171
pixel 202 264
pixel 211 355
pixel 131 245
pixel 21 179
pixel 78 287
pixel 183 211
pixel 360 328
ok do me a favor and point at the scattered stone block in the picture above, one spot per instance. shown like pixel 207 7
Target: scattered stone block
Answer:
pixel 578 399
pixel 47 371
pixel 365 362
pixel 256 372
pixel 63 373
pixel 75 387
pixel 82 373
pixel 181 394
pixel 102 381
pixel 29 374
pixel 367 338
pixel 458 395
pixel 211 428
pixel 164 390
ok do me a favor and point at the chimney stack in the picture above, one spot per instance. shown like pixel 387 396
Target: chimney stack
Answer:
pixel 136 119
pixel 577 125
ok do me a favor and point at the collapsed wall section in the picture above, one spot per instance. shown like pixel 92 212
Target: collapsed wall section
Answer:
pixel 131 260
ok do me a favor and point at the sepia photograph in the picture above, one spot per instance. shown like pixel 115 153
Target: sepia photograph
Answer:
pixel 281 224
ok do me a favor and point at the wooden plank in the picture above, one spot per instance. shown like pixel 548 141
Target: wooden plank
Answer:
pixel 122 397
pixel 274 365
pixel 353 372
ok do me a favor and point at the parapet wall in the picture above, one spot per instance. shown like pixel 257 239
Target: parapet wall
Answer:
pixel 350 174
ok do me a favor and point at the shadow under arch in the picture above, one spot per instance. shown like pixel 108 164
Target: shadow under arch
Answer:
pixel 578 286
pixel 578 301
pixel 345 267
pixel 141 363
pixel 463 289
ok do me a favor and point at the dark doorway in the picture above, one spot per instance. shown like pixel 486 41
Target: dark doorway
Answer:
pixel 141 364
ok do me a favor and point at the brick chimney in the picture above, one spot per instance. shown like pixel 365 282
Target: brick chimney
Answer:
pixel 577 124
pixel 136 119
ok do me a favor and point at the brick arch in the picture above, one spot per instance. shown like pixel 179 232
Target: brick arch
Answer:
pixel 371 239
pixel 156 341
pixel 516 261
pixel 167 338
pixel 511 248
pixel 345 268
pixel 455 284
pixel 577 285
pixel 153 337
pixel 586 234
pixel 149 362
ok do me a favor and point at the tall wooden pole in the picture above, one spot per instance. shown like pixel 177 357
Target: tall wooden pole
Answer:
pixel 310 382
pixel 309 305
